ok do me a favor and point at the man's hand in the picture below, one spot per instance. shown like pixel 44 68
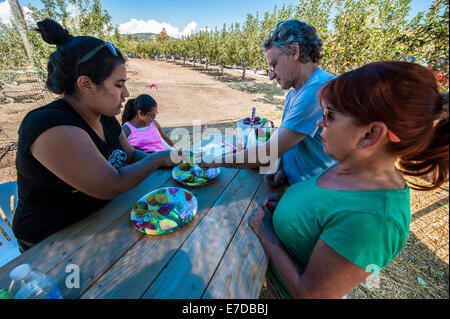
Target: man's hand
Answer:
pixel 205 166
pixel 276 179
pixel 208 161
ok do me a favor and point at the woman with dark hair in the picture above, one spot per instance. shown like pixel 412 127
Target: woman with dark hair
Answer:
pixel 329 233
pixel 72 152
pixel 140 125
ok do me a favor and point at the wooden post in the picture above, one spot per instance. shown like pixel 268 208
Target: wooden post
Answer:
pixel 19 18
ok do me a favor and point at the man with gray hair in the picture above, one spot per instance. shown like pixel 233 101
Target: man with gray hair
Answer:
pixel 293 52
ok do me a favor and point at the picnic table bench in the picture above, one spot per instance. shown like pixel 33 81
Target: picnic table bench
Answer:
pixel 216 255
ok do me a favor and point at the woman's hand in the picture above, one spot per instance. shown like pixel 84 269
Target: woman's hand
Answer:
pixel 276 179
pixel 260 221
pixel 164 158
pixel 271 202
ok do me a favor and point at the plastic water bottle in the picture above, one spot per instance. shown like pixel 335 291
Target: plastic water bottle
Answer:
pixel 28 283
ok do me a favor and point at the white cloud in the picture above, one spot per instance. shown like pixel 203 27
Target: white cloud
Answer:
pixel 5 12
pixel 132 26
pixel 189 29
pixel 141 26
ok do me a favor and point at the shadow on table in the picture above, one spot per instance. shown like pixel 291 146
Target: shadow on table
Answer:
pixel 168 285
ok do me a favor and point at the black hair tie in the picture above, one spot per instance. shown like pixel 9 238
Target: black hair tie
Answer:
pixel 53 33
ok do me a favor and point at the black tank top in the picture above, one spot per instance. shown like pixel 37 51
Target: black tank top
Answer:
pixel 46 203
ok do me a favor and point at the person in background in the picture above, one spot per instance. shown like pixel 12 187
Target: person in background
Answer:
pixel 140 125
pixel 73 156
pixel 293 53
pixel 327 234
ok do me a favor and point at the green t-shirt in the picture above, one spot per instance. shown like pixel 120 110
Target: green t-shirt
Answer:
pixel 365 227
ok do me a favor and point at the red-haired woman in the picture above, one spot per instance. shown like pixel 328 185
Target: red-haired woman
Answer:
pixel 329 233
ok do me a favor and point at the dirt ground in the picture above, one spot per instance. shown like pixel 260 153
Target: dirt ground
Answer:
pixel 188 94
pixel 185 95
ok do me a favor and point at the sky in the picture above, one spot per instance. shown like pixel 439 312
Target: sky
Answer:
pixel 181 17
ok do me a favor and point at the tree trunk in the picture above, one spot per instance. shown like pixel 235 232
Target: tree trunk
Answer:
pixel 243 74
pixel 19 18
pixel 221 69
pixel 332 63
pixel 207 65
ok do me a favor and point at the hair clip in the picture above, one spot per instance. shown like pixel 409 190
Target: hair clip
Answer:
pixel 392 137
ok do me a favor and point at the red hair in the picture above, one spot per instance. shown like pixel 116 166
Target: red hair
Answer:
pixel 405 97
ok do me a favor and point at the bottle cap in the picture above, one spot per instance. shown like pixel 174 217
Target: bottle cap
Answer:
pixel 20 272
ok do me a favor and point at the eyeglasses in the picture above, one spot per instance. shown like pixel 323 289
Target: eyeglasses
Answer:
pixel 91 53
pixel 325 115
pixel 391 135
pixel 271 66
pixel 114 51
pixel 152 116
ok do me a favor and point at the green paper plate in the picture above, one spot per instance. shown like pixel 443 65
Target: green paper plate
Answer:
pixel 164 210
pixel 194 176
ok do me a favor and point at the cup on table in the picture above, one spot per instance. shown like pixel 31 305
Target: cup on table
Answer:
pixel 244 128
pixel 263 134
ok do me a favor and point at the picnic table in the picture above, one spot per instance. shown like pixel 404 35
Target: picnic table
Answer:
pixel 216 255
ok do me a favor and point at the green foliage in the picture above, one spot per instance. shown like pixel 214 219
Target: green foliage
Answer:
pixel 354 33
pixel 89 19
pixel 428 40
pixel 10 42
pixel 365 31
pixel 162 37
pixel 213 49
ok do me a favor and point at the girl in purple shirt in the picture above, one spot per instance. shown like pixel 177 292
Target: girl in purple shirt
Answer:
pixel 140 126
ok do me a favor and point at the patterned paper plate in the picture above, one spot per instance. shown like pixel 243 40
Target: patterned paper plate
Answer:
pixel 164 211
pixel 189 175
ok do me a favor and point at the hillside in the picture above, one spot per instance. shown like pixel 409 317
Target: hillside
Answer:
pixel 144 36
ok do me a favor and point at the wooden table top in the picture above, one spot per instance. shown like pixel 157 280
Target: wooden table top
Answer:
pixel 216 255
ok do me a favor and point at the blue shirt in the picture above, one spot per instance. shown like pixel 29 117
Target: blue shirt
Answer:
pixel 301 113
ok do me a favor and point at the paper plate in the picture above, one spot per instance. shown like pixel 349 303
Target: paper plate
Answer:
pixel 164 210
pixel 194 176
pixel 214 146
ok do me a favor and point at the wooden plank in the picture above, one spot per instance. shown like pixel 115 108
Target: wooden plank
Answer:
pixel 94 258
pixel 130 276
pixel 102 251
pixel 190 270
pixel 52 251
pixel 242 270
